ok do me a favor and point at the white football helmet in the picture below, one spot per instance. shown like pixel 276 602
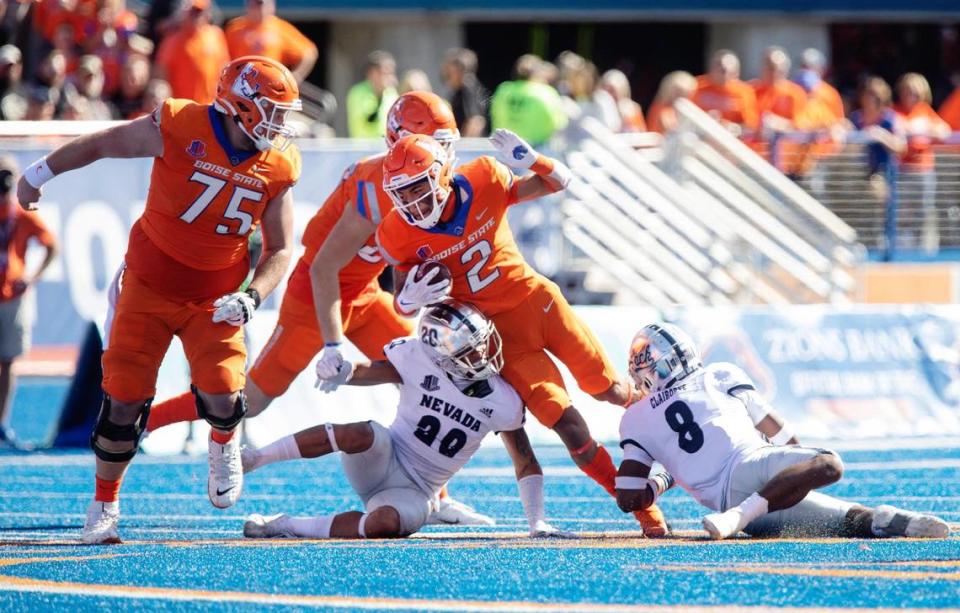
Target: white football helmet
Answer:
pixel 661 355
pixel 461 340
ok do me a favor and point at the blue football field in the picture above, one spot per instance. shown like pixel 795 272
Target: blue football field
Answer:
pixel 180 553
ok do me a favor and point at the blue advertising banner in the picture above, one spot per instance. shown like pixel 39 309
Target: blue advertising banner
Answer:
pixel 844 372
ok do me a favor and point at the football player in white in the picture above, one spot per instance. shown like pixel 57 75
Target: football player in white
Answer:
pixel 704 425
pixel 451 396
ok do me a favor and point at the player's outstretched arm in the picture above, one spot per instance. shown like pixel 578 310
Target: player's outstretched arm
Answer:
pixel 344 241
pixel 549 175
pixel 138 138
pixel 765 419
pixel 530 484
pixel 360 373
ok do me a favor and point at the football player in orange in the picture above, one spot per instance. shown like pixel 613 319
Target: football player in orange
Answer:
pixel 219 171
pixel 333 292
pixel 458 217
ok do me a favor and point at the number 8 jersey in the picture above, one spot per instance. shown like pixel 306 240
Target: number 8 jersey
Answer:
pixel 696 429
pixel 438 427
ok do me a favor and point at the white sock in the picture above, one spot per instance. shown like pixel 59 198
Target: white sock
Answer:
pixel 753 507
pixel 278 451
pixel 312 527
pixel 531 496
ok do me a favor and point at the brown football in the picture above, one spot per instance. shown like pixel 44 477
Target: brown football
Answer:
pixel 425 269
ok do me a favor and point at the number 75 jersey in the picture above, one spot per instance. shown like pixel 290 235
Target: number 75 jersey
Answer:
pixel 438 427
pixel 696 429
pixel 476 243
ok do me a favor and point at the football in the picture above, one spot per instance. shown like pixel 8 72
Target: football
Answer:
pixel 424 270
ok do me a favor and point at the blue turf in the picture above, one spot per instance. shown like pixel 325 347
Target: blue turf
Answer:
pixel 43 498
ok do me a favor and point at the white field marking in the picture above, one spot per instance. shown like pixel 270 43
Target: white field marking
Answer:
pixel 13 584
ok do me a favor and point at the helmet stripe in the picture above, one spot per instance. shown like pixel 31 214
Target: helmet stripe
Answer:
pixel 446 308
pixel 673 343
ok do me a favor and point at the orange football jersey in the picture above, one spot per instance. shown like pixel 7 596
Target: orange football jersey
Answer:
pixel 361 187
pixel 476 243
pixel 205 199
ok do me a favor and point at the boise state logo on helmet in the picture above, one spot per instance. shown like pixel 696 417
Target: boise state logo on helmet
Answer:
pixel 245 84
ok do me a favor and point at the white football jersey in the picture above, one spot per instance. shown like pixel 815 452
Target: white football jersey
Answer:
pixel 438 427
pixel 696 429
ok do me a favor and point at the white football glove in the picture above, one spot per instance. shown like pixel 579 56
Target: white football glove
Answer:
pixel 418 294
pixel 543 530
pixel 235 309
pixel 513 150
pixel 330 361
pixel 343 375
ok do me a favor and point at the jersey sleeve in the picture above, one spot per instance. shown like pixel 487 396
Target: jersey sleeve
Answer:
pixel 389 244
pixel 500 184
pixel 732 380
pixel 630 440
pixel 511 415
pixel 170 122
pixel 398 351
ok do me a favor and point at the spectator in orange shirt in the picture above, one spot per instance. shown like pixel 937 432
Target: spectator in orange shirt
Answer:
pixel 17 228
pixel 261 32
pixel 810 78
pixel 661 116
pixel 779 100
pixel 725 97
pixel 192 56
pixel 950 109
pixel 923 127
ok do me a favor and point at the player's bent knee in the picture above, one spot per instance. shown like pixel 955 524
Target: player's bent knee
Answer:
pixel 572 429
pixel 236 412
pixel 829 466
pixel 116 433
pixel 382 523
pixel 355 437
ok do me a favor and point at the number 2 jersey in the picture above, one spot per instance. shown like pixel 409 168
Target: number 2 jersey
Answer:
pixel 476 243
pixel 205 199
pixel 696 429
pixel 438 427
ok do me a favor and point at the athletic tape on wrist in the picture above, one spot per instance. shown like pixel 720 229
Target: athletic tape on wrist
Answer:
pixel 331 437
pixel 38 173
pixel 633 483
pixel 783 436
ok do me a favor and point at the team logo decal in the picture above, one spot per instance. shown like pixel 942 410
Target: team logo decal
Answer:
pixel 245 85
pixel 430 383
pixel 487 412
pixel 197 149
pixel 424 252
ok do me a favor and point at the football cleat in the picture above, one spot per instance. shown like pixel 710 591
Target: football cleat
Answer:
pixel 722 525
pixel 225 480
pixel 652 521
pixel 100 527
pixel 891 521
pixel 267 527
pixel 451 511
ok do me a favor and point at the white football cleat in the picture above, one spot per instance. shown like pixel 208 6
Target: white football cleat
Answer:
pixel 451 511
pixel 722 525
pixel 891 521
pixel 267 527
pixel 100 527
pixel 225 480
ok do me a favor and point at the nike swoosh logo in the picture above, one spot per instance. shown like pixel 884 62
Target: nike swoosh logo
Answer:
pixel 480 214
pixel 547 308
pixel 221 493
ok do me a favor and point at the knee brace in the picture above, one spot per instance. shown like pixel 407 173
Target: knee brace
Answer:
pixel 108 430
pixel 221 423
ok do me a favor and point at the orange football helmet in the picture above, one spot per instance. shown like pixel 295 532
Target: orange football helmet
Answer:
pixel 417 175
pixel 259 93
pixel 422 113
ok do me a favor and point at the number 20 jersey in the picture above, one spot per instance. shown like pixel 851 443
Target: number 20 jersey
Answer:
pixel 438 427
pixel 696 429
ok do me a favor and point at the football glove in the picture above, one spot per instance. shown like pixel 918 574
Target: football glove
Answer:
pixel 418 294
pixel 235 309
pixel 513 150
pixel 330 361
pixel 343 375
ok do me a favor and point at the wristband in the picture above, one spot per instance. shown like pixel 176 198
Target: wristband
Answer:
pixel 633 483
pixel 38 173
pixel 531 497
pixel 555 169
pixel 255 295
pixel 334 344
pixel 783 436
